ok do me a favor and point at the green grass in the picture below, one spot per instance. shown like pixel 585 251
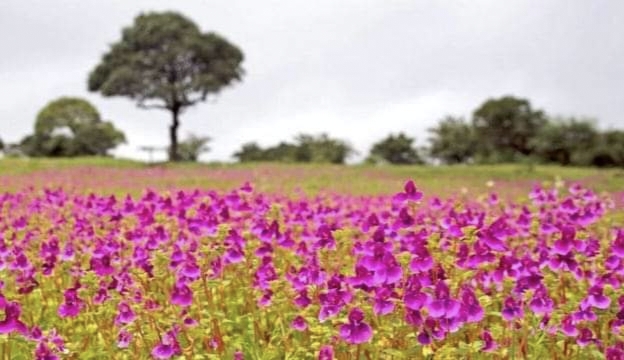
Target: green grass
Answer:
pixel 117 175
pixel 13 166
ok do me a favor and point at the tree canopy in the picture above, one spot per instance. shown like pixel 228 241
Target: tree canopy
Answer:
pixel 395 149
pixel 452 141
pixel 566 141
pixel 164 61
pixel 71 126
pixel 306 148
pixel 504 127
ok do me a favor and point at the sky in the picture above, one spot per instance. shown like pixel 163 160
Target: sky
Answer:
pixel 356 69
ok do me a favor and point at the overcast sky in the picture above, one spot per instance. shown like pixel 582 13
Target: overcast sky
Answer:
pixel 356 69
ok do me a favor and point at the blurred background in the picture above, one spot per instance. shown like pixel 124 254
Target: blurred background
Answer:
pixel 403 82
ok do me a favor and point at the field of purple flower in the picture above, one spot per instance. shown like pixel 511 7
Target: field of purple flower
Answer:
pixel 252 272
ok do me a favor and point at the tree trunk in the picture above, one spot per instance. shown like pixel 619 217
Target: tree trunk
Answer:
pixel 173 136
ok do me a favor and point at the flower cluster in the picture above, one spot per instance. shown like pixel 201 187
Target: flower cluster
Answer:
pixel 243 274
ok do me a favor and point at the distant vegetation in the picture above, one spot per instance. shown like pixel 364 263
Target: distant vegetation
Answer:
pixel 69 127
pixel 393 149
pixel 502 130
pixel 508 129
pixel 164 61
pixel 305 148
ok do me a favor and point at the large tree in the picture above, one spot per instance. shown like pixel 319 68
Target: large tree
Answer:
pixel 505 126
pixel 164 61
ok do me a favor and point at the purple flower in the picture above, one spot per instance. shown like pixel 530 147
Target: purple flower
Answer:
pixel 617 246
pixel 334 299
pixel 446 308
pixel 326 353
pixel 299 323
pixel 613 263
pixel 512 309
pixel 567 327
pixel 101 264
pixel 43 352
pixel 382 303
pixel 238 355
pixel 190 270
pixel 615 352
pixel 585 337
pixel 189 322
pixel 413 317
pixel 302 300
pixel 413 297
pixel 404 220
pixel 247 187
pixel 11 322
pixel 471 309
pixel 421 261
pixel 36 333
pixel 489 344
pixel 72 305
pixel 233 255
pixel 371 221
pixel 125 315
pixel 356 331
pixel 566 243
pixel 409 193
pixel 443 306
pixel 167 347
pixel 596 298
pixel 123 339
pixel 424 338
pixel 584 313
pixel 182 295
pixel 541 303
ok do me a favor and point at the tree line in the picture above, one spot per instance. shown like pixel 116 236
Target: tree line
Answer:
pixel 164 61
pixel 501 130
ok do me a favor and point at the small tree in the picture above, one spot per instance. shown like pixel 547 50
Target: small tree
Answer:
pixel 250 151
pixel 307 148
pixel 610 149
pixel 566 141
pixel 71 127
pixel 284 152
pixel 164 61
pixel 452 141
pixel 192 147
pixel 321 149
pixel 397 149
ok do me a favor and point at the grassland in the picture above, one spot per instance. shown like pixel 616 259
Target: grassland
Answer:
pixel 251 274
pixel 120 176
